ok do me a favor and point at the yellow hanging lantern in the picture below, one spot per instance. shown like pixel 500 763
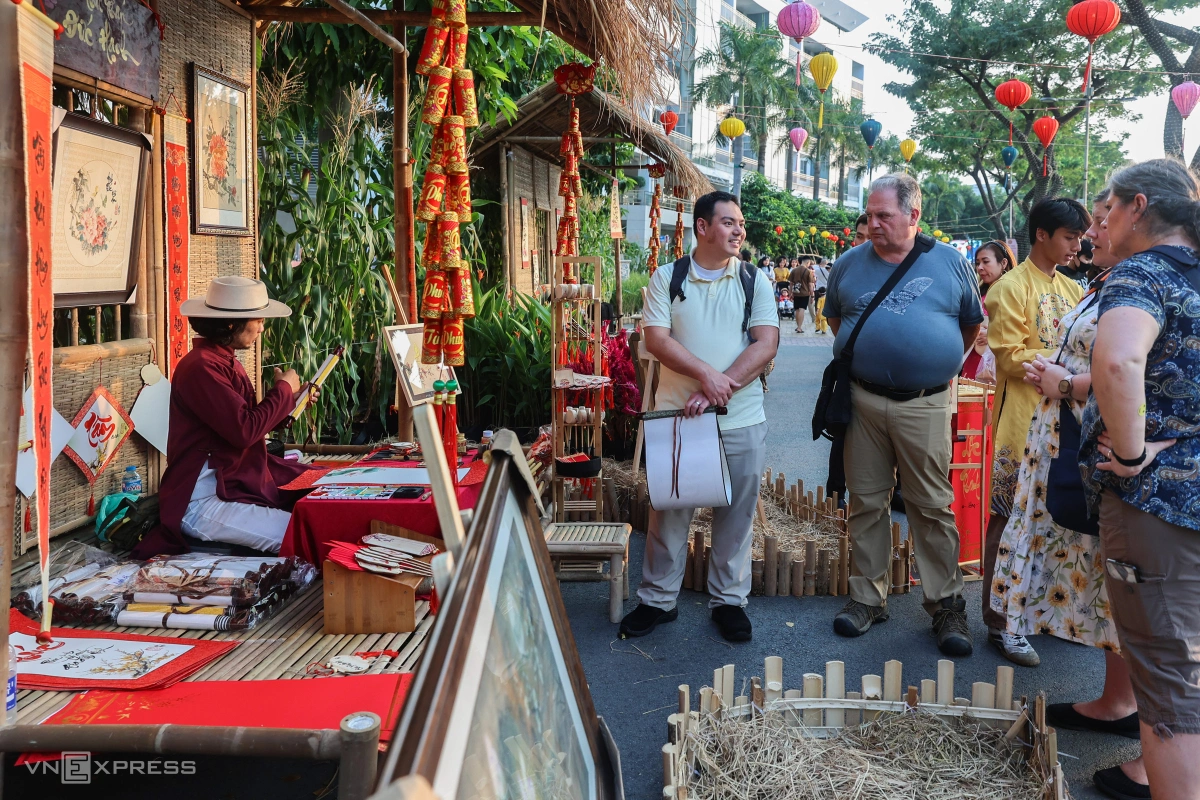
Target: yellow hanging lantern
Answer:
pixel 812 229
pixel 732 127
pixel 823 67
pixel 946 239
pixel 937 234
pixel 908 148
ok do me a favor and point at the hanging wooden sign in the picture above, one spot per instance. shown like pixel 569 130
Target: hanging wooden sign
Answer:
pixel 116 41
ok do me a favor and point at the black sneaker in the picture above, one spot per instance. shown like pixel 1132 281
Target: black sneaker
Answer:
pixel 1064 717
pixel 950 625
pixel 644 618
pixel 1113 782
pixel 732 622
pixel 856 618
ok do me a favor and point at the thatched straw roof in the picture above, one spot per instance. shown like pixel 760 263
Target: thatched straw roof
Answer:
pixel 543 115
pixel 631 39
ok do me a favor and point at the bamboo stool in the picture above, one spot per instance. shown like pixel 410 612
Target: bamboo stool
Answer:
pixel 595 541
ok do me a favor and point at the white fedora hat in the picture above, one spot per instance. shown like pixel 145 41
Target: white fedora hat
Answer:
pixel 234 297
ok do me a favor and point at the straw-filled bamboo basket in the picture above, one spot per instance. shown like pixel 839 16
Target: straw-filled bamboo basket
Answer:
pixel 882 741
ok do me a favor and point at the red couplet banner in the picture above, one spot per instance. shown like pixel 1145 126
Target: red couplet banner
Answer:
pixel 971 470
pixel 177 251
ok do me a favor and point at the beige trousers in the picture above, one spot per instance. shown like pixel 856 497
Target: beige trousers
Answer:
pixel 914 438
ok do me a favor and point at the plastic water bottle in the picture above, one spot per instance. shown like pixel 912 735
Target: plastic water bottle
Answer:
pixel 10 695
pixel 131 482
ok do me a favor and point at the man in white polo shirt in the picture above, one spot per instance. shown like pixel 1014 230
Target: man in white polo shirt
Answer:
pixel 711 355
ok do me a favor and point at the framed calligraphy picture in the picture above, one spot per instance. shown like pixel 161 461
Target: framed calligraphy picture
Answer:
pixel 500 706
pixel 101 427
pixel 117 41
pixel 96 216
pixel 416 379
pixel 221 165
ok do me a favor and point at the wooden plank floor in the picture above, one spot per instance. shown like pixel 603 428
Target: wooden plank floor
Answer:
pixel 282 647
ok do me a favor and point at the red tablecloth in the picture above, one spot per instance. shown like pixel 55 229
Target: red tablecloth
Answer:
pixel 317 523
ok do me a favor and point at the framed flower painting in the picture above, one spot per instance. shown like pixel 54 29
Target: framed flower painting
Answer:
pixel 96 210
pixel 221 165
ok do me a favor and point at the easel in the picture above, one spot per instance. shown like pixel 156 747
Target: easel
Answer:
pixel 404 417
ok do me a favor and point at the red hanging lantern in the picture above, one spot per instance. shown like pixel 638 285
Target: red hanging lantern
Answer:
pixel 669 120
pixel 1091 19
pixel 1012 94
pixel 846 231
pixel 575 78
pixel 1046 129
pixel 778 229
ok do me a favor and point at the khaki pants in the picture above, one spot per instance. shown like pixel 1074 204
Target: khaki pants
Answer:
pixel 914 437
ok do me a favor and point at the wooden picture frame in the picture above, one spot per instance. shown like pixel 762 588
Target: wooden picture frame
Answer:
pixel 222 156
pixel 501 672
pixel 416 379
pixel 97 202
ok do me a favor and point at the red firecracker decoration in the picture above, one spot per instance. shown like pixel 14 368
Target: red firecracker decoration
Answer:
pixel 1046 129
pixel 677 243
pixel 1013 94
pixel 1092 19
pixel 653 244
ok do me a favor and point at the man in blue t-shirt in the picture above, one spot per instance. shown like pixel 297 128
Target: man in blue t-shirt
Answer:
pixel 909 351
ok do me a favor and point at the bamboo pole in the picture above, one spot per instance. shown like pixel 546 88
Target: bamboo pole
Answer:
pixel 798 576
pixel 945 682
pixel 727 685
pixel 1004 687
pixel 835 689
pixel 928 691
pixel 892 680
pixel 783 583
pixel 835 575
pixel 854 715
pixel 770 565
pixel 872 689
pixel 810 568
pixel 757 579
pixel 813 688
pixel 983 695
pixel 14 319
pixel 773 671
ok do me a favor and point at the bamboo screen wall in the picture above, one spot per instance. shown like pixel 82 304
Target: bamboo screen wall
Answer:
pixel 213 35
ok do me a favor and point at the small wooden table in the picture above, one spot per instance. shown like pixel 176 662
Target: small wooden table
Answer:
pixel 597 540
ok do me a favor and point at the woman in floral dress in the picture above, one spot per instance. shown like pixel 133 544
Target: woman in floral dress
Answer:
pixel 1050 579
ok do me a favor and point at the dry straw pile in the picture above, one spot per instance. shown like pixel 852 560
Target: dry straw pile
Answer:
pixel 896 757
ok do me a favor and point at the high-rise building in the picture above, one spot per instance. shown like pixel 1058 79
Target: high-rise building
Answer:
pixel 696 131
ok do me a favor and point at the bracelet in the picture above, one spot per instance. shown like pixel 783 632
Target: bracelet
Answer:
pixel 1129 462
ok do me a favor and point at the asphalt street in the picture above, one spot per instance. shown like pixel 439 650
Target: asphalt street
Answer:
pixel 634 682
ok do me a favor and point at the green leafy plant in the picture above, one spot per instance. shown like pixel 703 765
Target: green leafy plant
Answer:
pixel 506 379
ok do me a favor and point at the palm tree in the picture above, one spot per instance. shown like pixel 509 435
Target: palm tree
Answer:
pixel 747 65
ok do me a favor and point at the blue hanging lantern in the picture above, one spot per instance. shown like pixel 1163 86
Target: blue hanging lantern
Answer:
pixel 1009 154
pixel 870 132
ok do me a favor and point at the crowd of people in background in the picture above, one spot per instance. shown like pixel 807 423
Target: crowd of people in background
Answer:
pixel 1092 343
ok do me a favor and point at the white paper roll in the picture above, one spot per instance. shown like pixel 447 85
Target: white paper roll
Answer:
pixel 691 445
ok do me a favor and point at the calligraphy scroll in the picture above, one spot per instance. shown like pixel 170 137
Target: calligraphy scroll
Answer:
pixel 614 212
pixel 35 54
pixel 175 172
pixel 101 427
pixel 116 41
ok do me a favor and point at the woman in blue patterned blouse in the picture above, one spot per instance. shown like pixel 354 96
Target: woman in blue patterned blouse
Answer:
pixel 1141 451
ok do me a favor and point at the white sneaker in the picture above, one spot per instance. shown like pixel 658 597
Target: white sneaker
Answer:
pixel 1015 648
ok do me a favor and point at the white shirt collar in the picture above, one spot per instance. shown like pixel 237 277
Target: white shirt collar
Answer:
pixel 731 266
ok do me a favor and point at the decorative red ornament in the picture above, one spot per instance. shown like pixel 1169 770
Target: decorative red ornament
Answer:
pixel 778 229
pixel 1046 129
pixel 1091 19
pixel 1012 94
pixel 846 231
pixel 669 120
pixel 575 78
pixel 657 170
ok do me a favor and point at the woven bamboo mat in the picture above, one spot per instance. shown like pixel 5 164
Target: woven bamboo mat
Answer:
pixel 280 648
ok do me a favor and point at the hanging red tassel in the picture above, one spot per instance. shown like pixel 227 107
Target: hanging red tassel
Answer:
pixel 1044 161
pixel 91 509
pixel 1087 72
pixel 28 518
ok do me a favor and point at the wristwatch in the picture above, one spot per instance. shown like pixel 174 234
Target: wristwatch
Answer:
pixel 1066 385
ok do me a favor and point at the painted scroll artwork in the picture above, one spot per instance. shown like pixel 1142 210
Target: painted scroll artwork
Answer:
pixel 220 165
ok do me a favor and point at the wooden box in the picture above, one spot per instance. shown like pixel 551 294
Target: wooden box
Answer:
pixel 364 602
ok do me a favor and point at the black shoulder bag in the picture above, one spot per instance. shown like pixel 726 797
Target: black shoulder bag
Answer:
pixel 1065 499
pixel 832 414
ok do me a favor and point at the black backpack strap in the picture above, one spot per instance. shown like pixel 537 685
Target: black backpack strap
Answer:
pixel 679 271
pixel 923 244
pixel 1183 263
pixel 748 276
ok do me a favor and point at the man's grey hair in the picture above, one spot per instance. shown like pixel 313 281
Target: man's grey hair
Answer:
pixel 908 191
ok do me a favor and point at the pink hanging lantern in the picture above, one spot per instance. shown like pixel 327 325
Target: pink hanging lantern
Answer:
pixel 798 136
pixel 1185 97
pixel 798 20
